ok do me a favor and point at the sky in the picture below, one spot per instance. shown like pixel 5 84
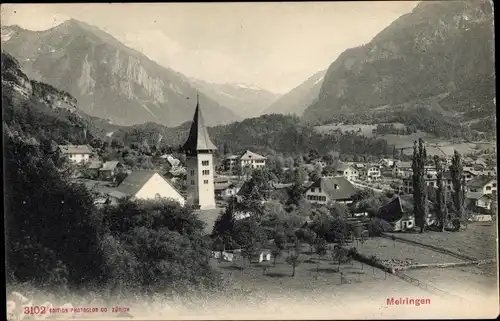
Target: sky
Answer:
pixel 274 45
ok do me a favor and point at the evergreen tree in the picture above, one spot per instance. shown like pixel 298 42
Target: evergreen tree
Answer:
pixel 441 209
pixel 419 186
pixel 457 180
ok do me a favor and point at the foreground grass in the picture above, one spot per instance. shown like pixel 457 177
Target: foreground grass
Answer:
pixel 479 240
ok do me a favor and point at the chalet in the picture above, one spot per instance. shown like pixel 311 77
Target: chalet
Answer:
pixel 230 162
pixel 146 185
pixel 262 256
pixel 483 184
pixel 330 189
pixel 386 162
pixel 478 200
pixel 402 169
pixel 372 172
pixel 93 169
pixel 78 154
pixel 348 172
pixel 430 180
pixel 252 160
pixel 109 170
pixel 224 188
pixel 394 214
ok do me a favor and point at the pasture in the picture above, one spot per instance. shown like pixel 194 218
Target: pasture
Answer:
pixel 479 240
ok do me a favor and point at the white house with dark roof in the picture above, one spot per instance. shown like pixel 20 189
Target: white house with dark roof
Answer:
pixel 253 160
pixel 109 170
pixel 76 153
pixel 330 189
pixel 147 185
pixel 347 171
pixel 483 184
pixel 479 199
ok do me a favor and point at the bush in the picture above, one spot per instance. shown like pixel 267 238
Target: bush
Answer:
pixel 377 226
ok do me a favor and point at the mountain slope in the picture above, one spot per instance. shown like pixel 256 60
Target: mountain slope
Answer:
pixel 108 79
pixel 438 49
pixel 245 100
pixel 40 110
pixel 298 99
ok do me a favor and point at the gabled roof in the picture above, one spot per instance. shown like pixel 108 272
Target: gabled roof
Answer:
pixel 94 165
pixel 343 167
pixel 337 188
pixel 109 166
pixel 75 149
pixel 480 181
pixel 403 164
pixel 248 155
pixel 198 138
pixel 392 211
pixel 476 195
pixel 136 180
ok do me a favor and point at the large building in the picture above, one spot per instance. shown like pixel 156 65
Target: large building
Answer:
pixel 330 189
pixel 199 164
pixel 78 154
pixel 247 159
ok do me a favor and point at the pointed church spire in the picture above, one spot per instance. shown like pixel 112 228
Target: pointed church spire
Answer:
pixel 198 138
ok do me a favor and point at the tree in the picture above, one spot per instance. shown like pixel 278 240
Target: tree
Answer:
pixel 321 248
pixel 441 211
pixel 458 183
pixel 307 236
pixel 419 186
pixel 294 260
pixel 224 228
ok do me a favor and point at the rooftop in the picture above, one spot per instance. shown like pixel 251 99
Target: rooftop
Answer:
pixel 337 188
pixel 109 166
pixel 198 138
pixel 480 181
pixel 248 155
pixel 75 149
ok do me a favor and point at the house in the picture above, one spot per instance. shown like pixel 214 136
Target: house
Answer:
pixel 372 172
pixel 394 214
pixel 147 185
pixel 386 162
pixel 109 170
pixel 430 180
pixel 483 184
pixel 252 160
pixel 330 189
pixel 224 188
pixel 348 172
pixel 230 162
pixel 92 169
pixel 78 154
pixel 402 169
pixel 478 200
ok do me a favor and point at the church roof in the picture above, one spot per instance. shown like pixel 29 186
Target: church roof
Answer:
pixel 198 138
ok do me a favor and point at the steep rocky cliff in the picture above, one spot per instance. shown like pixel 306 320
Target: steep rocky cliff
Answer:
pixel 22 88
pixel 438 50
pixel 109 80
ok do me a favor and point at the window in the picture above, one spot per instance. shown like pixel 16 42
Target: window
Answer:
pixel 192 182
pixel 157 196
pixel 488 188
pixel 494 184
pixel 205 181
pixel 206 172
pixel 319 190
pixel 205 163
pixel 192 172
pixel 312 189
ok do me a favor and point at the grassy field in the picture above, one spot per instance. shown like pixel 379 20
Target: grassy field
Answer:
pixel 479 240
pixel 475 282
pixel 386 249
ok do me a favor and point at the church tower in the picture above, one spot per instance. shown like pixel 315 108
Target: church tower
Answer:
pixel 199 163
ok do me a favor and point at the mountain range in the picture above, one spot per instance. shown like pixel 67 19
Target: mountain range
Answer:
pixel 442 50
pixel 299 98
pixel 108 79
pixel 247 101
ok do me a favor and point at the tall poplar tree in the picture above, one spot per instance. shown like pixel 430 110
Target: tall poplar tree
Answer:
pixel 419 186
pixel 441 209
pixel 458 182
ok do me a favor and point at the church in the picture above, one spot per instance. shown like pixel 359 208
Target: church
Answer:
pixel 199 150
